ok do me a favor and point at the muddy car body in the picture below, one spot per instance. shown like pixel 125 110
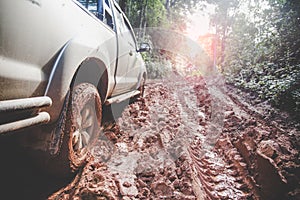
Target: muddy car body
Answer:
pixel 53 55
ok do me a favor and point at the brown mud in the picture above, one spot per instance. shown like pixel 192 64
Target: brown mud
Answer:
pixel 188 138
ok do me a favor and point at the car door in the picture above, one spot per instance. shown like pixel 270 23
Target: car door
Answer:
pixel 123 55
pixel 133 66
pixel 127 53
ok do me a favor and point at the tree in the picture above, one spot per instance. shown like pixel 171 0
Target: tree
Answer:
pixel 260 48
pixel 162 13
pixel 143 13
pixel 222 21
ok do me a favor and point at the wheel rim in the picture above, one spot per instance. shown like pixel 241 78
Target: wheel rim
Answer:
pixel 86 120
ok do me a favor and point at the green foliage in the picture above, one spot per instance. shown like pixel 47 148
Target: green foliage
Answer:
pixel 177 10
pixel 158 69
pixel 158 13
pixel 151 13
pixel 262 53
pixel 278 86
pixel 258 45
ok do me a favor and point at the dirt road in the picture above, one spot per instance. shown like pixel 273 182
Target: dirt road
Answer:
pixel 190 139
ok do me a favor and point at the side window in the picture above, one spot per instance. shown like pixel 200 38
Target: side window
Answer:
pixel 123 27
pixel 129 32
pixel 108 16
pixel 101 9
pixel 120 22
pixel 91 5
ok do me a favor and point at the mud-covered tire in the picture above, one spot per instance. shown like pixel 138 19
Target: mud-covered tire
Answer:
pixel 82 128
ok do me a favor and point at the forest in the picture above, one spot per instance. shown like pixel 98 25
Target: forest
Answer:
pixel 256 43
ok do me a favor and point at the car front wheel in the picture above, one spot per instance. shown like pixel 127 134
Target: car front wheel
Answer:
pixel 82 128
pixel 85 120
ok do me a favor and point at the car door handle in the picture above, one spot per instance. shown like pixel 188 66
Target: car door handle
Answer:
pixel 131 53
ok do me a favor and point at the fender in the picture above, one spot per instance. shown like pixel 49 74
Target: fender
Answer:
pixel 143 73
pixel 71 58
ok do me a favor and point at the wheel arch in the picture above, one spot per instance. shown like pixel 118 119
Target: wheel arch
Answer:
pixel 92 70
pixel 73 65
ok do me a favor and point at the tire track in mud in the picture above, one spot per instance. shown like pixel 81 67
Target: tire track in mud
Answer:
pixel 147 161
pixel 219 179
pixel 186 139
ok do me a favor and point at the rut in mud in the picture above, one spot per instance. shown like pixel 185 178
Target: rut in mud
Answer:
pixel 189 139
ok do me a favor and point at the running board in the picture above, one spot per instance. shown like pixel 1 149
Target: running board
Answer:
pixel 122 97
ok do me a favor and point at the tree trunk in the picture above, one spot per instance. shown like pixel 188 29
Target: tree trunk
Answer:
pixel 167 5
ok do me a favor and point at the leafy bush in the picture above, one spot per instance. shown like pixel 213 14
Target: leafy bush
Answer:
pixel 281 87
pixel 158 69
pixel 264 57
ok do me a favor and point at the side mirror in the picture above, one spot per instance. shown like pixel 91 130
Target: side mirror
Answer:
pixel 144 47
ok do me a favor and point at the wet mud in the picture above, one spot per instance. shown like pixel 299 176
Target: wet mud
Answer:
pixel 189 138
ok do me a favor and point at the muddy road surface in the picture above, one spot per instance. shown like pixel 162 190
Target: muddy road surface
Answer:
pixel 188 138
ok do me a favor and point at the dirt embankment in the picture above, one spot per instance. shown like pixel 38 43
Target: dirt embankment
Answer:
pixel 190 139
